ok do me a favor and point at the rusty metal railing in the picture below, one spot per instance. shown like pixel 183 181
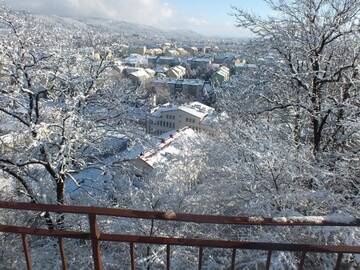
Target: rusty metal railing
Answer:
pixel 96 236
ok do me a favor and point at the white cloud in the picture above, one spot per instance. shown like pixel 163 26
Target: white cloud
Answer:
pixel 157 13
pixel 151 12
pixel 197 21
pixel 166 11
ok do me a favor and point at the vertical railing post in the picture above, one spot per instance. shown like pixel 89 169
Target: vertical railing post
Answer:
pixel 168 254
pixel 26 251
pixel 95 234
pixel 132 256
pixel 200 258
pixel 268 260
pixel 338 261
pixel 62 253
pixel 233 259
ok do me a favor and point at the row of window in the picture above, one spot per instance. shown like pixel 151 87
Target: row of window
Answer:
pixel 189 120
pixel 158 132
pixel 166 124
pixel 195 128
pixel 170 117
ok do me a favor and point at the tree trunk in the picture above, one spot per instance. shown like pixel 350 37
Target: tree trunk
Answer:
pixel 316 136
pixel 316 105
pixel 60 198
pixel 297 127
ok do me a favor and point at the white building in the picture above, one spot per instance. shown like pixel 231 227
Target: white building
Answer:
pixel 194 50
pixel 221 75
pixel 182 52
pixel 177 72
pixel 195 115
pixel 172 52
pixel 136 60
pixel 139 76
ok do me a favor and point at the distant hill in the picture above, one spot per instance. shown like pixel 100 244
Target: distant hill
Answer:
pixel 139 29
pixel 122 28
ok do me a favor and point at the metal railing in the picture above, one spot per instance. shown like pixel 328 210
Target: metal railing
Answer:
pixel 96 236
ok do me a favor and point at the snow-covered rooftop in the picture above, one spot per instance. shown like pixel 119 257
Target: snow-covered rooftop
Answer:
pixel 195 82
pixel 167 148
pixel 196 109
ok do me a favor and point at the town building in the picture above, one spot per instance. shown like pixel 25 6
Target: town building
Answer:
pixel 161 69
pixel 168 61
pixel 182 52
pixel 243 67
pixel 139 76
pixel 195 115
pixel 172 52
pixel 220 76
pixel 177 72
pixel 194 50
pixel 138 50
pixel 151 72
pixel 169 89
pixel 200 62
pixel 206 49
pixel 224 59
pixel 136 60
pixel 154 51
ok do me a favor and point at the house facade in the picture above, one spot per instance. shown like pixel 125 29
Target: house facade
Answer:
pixel 177 72
pixel 195 115
pixel 220 76
pixel 169 89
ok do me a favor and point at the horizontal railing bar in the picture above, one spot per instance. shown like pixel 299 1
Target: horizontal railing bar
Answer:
pixel 171 216
pixel 185 242
pixel 44 232
pixel 230 244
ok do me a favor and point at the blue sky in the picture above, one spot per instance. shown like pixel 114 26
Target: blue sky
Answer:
pixel 209 17
pixel 214 14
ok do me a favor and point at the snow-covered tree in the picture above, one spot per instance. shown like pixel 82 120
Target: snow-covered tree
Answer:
pixel 316 57
pixel 50 93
